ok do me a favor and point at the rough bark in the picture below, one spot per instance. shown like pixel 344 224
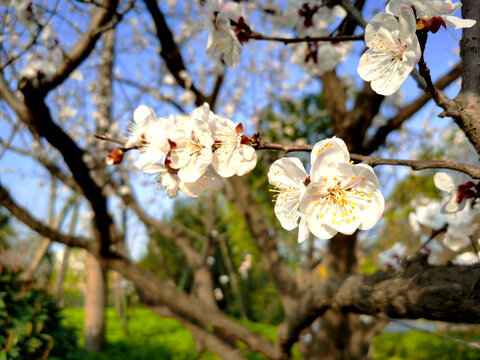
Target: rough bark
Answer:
pixel 468 100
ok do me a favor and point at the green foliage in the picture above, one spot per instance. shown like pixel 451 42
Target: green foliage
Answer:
pixel 416 345
pixel 31 324
pixel 305 119
pixel 5 229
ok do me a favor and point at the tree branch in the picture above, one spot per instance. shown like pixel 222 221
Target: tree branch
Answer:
pixel 24 216
pixel 163 291
pixel 101 21
pixel 446 293
pixel 257 36
pixel 170 51
pixel 473 171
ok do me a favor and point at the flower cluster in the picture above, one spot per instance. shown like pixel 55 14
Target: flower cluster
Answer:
pixel 337 196
pixel 226 22
pixel 311 18
pixel 190 153
pixel 393 47
pixel 456 213
pixel 392 257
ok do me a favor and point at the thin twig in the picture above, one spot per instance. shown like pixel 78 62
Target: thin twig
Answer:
pixel 473 171
pixel 439 97
pixel 432 236
pixel 257 36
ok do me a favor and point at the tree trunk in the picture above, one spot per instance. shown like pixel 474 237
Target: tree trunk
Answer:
pixel 95 303
pixel 58 286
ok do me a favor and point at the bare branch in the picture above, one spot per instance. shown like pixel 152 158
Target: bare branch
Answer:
pixel 43 229
pixel 473 171
pixel 170 51
pixel 101 21
pixel 257 36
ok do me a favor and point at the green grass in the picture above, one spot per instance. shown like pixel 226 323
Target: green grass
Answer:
pixel 147 337
pixel 151 337
pixel 416 345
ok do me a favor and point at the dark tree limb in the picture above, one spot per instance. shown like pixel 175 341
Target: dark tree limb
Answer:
pixel 465 114
pixel 340 38
pixel 102 20
pixel 170 51
pixel 25 217
pixel 446 293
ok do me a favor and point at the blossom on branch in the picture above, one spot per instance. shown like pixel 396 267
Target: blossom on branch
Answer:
pixel 290 180
pixel 430 15
pixel 226 22
pixel 393 51
pixel 310 16
pixel 341 197
pixel 391 258
pixel 191 144
pixel 317 58
pixel 234 153
pixel 337 196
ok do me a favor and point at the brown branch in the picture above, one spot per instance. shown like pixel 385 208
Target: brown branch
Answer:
pixel 24 216
pixel 257 36
pixel 241 197
pixel 101 21
pixel 439 97
pixel 468 100
pixel 170 51
pixel 40 123
pixel 408 111
pixel 189 307
pixel 201 272
pixel 473 171
pixel 445 293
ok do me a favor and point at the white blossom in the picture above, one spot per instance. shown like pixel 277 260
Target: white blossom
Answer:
pixel 458 237
pixel 393 51
pixel 341 197
pixel 467 258
pixel 391 257
pixel 223 39
pixel 191 145
pixel 289 177
pixel 430 215
pixel 310 16
pixel 318 58
pixel 448 183
pixel 143 117
pixel 233 155
pixel 428 9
